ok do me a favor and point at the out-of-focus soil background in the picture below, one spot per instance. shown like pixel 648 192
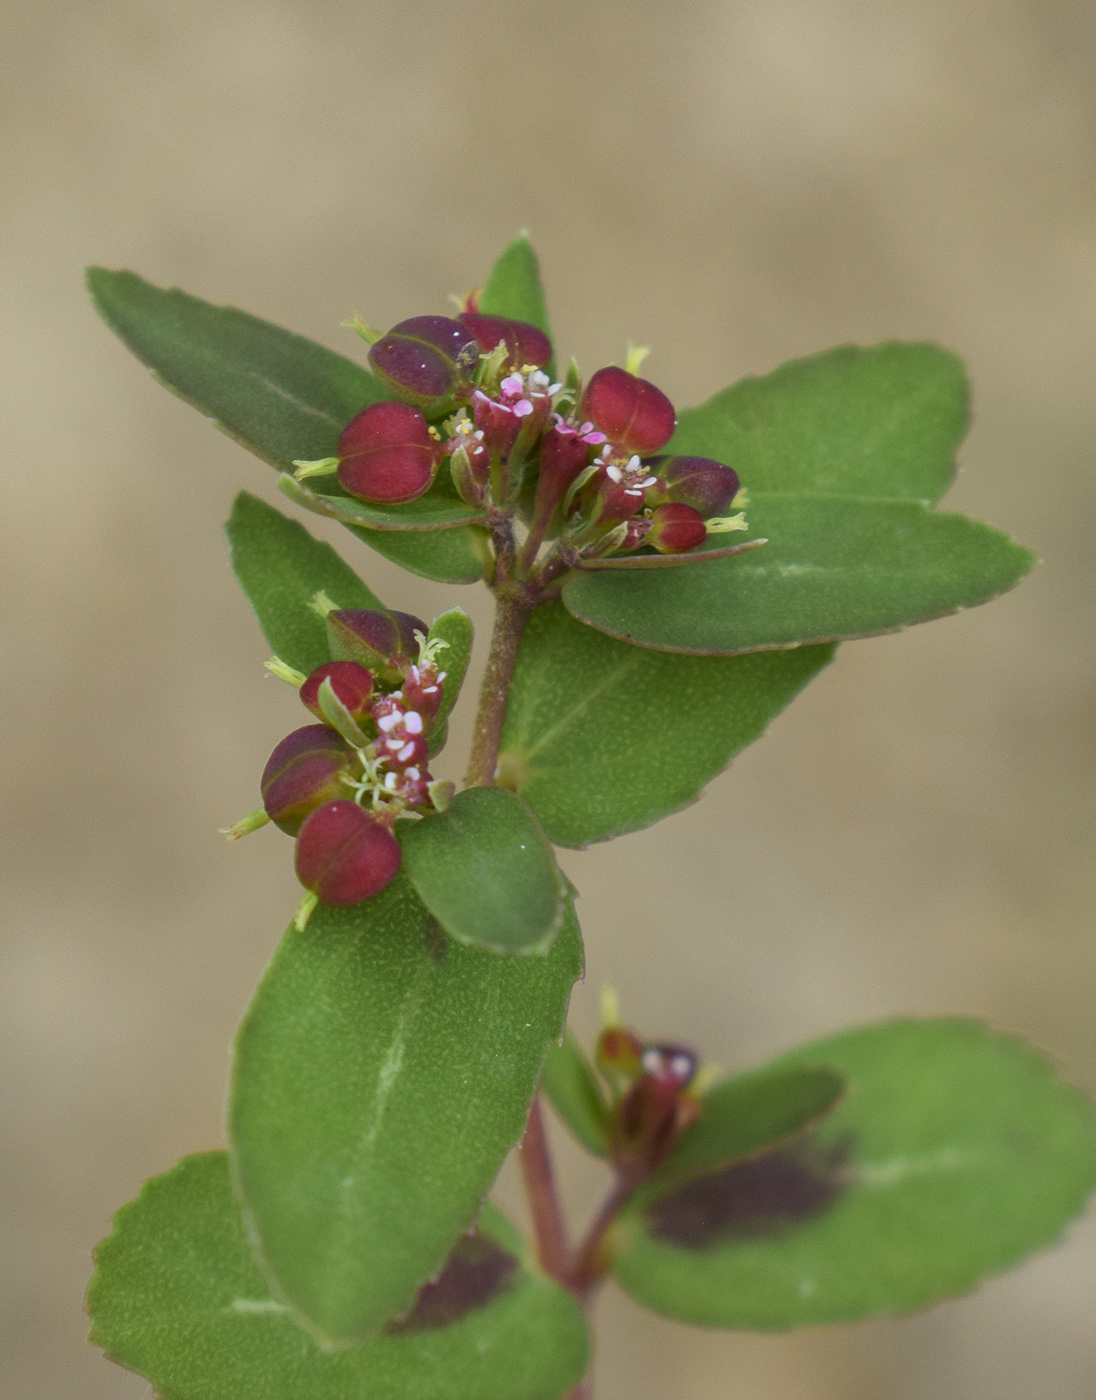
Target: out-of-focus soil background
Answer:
pixel 732 182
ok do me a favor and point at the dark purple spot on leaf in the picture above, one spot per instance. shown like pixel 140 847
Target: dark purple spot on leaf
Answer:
pixel 476 1271
pixel 764 1196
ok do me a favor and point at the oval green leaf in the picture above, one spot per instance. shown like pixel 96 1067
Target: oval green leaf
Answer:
pixel 486 872
pixel 177 1297
pixel 956 1152
pixel 454 628
pixel 643 730
pixel 381 1075
pixel 446 556
pixel 880 421
pixel 280 395
pixel 746 1116
pixel 574 1092
pixel 834 567
pixel 514 289
pixel 281 568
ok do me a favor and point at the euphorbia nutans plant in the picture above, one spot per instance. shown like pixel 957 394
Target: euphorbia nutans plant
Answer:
pixel 665 582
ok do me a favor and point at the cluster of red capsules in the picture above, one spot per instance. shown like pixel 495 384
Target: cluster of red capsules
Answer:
pixel 340 786
pixel 580 462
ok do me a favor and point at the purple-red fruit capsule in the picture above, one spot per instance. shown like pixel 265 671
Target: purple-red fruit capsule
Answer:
pixel 384 642
pixel 344 855
pixel 352 684
pixel 386 455
pixel 525 344
pixel 707 486
pixel 427 361
pixel 675 529
pixel 632 413
pixel 302 773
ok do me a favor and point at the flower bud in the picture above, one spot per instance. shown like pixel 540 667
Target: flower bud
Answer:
pixel 302 773
pixel 615 492
pixel 635 534
pixel 633 414
pixel 675 529
pixel 422 691
pixel 655 1110
pixel 352 684
pixel 564 451
pixel 707 486
pixel 497 421
pixel 525 344
pixel 386 454
pixel 383 642
pixel 427 361
pixel 344 855
pixel 619 1053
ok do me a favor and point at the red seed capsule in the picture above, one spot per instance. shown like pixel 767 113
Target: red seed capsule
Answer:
pixel 707 486
pixel 384 642
pixel 352 684
pixel 344 855
pixel 632 413
pixel 525 344
pixel 427 361
pixel 302 773
pixel 675 529
pixel 386 454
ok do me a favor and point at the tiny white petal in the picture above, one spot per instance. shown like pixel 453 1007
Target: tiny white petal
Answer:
pixel 413 722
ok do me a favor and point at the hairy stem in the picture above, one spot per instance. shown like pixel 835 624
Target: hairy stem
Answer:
pixel 553 1249
pixel 514 607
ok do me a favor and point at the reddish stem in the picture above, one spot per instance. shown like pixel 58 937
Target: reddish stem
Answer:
pixel 587 1267
pixel 514 607
pixel 540 1185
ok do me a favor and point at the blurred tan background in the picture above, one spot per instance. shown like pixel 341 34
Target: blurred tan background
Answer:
pixel 732 182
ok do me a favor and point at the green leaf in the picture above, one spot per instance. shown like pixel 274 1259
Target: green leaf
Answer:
pixel 513 287
pixel 279 395
pixel 453 627
pixel 381 1075
pixel 447 556
pixel 644 730
pixel 575 1094
pixel 281 568
pixel 956 1152
pixel 746 1116
pixel 487 873
pixel 834 567
pixel 884 421
pixel 440 509
pixel 177 1297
